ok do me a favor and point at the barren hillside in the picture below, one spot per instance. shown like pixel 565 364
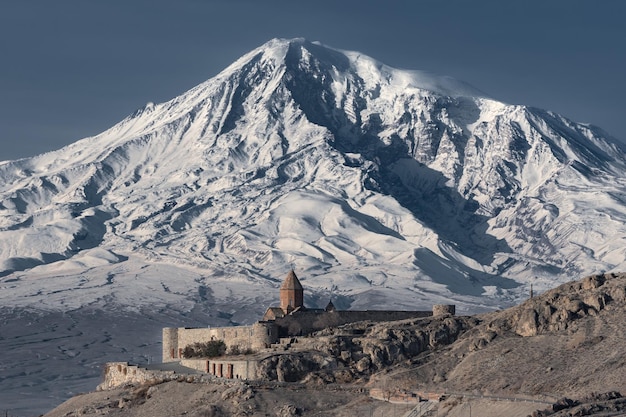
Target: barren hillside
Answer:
pixel 568 342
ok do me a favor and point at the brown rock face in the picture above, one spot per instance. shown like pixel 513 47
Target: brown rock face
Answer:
pixel 294 367
pixel 558 308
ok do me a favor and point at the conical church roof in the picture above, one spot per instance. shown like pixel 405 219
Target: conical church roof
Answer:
pixel 291 282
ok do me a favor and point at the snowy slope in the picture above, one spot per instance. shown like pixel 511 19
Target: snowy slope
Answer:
pixel 357 174
pixel 380 187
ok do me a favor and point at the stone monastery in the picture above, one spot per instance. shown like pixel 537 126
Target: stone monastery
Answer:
pixel 289 320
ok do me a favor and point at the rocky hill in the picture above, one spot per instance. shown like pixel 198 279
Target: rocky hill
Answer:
pixel 564 342
pixel 560 352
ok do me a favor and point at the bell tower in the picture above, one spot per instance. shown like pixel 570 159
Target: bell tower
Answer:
pixel 291 293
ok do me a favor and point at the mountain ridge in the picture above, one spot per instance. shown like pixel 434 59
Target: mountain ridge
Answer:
pixel 436 176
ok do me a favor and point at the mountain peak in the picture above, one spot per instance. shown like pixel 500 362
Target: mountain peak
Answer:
pixel 302 54
pixel 363 176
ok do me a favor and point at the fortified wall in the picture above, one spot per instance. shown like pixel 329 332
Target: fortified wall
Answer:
pixel 240 367
pixel 291 318
pixel 120 373
pixel 309 321
pixel 256 337
pixel 268 337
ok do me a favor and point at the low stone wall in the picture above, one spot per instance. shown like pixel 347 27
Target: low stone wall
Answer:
pixel 117 374
pixel 225 367
pixel 197 364
pixel 400 396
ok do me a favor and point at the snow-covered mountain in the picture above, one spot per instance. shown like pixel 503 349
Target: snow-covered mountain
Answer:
pixel 380 187
pixel 366 179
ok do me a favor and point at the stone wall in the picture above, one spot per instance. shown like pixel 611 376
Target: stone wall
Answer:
pixel 308 321
pixel 264 333
pixel 225 367
pixel 258 336
pixel 444 309
pixel 117 374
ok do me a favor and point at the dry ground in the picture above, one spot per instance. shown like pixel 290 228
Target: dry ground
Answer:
pixel 219 399
pixel 550 347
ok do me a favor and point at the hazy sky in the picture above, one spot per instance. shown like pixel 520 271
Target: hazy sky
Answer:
pixel 72 68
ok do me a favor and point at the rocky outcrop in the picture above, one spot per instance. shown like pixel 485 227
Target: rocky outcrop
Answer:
pixel 349 352
pixel 558 308
pixel 605 404
pixel 294 367
pixel 390 343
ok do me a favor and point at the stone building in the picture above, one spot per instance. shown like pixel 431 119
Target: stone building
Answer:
pixel 291 318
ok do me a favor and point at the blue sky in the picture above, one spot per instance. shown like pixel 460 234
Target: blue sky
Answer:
pixel 72 68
